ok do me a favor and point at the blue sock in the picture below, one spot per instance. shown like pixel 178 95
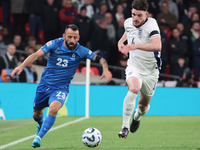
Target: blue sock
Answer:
pixel 48 122
pixel 39 120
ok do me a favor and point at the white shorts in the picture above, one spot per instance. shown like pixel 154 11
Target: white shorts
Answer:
pixel 147 82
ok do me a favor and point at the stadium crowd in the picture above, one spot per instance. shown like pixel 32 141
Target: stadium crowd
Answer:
pixel 25 25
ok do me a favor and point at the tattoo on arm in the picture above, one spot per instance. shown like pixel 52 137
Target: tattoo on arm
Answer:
pixel 103 63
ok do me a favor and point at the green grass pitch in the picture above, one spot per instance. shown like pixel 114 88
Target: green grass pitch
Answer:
pixel 154 133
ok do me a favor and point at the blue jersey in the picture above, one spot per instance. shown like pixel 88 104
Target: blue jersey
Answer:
pixel 62 63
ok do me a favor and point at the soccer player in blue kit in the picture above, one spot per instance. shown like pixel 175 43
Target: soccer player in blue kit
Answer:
pixel 65 54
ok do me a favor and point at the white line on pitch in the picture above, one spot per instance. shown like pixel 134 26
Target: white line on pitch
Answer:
pixel 32 136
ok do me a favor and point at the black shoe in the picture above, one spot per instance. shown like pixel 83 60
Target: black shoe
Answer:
pixel 123 133
pixel 134 125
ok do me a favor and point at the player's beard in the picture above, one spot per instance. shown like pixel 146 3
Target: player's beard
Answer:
pixel 138 23
pixel 70 47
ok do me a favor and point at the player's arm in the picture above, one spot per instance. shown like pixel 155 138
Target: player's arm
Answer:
pixel 106 73
pixel 121 42
pixel 154 46
pixel 27 61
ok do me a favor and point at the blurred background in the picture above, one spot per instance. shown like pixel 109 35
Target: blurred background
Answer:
pixel 25 25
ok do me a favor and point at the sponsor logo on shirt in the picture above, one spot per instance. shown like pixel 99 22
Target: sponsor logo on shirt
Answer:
pixel 57 51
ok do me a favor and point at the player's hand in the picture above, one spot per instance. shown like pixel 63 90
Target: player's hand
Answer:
pixel 17 70
pixel 126 49
pixel 107 74
pixel 120 46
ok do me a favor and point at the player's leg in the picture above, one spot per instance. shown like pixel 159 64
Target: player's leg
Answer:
pixel 47 97
pixel 143 108
pixel 56 101
pixel 50 119
pixel 129 100
pixel 146 92
pixel 40 102
pixel 48 122
pixel 129 104
pixel 38 117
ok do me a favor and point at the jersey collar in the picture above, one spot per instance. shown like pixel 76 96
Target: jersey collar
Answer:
pixel 143 23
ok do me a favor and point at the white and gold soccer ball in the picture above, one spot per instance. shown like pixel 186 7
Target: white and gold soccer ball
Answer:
pixel 91 137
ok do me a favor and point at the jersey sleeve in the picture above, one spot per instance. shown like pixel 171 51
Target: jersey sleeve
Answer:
pixel 48 46
pixel 86 53
pixel 153 29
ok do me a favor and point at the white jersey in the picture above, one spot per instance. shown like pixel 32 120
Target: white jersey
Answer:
pixel 143 61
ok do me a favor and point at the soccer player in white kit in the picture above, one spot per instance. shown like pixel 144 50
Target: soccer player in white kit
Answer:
pixel 142 72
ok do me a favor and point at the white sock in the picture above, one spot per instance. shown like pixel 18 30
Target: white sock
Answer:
pixel 128 107
pixel 139 113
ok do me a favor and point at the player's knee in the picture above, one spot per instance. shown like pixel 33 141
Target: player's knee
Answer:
pixel 36 115
pixel 53 111
pixel 135 90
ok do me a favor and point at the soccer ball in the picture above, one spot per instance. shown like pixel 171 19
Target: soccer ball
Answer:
pixel 91 137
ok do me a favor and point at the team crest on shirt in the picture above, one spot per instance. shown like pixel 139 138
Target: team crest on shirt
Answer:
pixel 49 43
pixel 140 33
pixel 73 56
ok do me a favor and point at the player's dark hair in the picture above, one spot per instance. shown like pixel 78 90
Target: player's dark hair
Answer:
pixel 71 26
pixel 140 5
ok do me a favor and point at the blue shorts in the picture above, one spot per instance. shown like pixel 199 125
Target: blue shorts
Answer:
pixel 45 95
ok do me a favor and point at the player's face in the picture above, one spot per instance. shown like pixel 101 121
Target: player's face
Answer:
pixel 139 17
pixel 71 38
